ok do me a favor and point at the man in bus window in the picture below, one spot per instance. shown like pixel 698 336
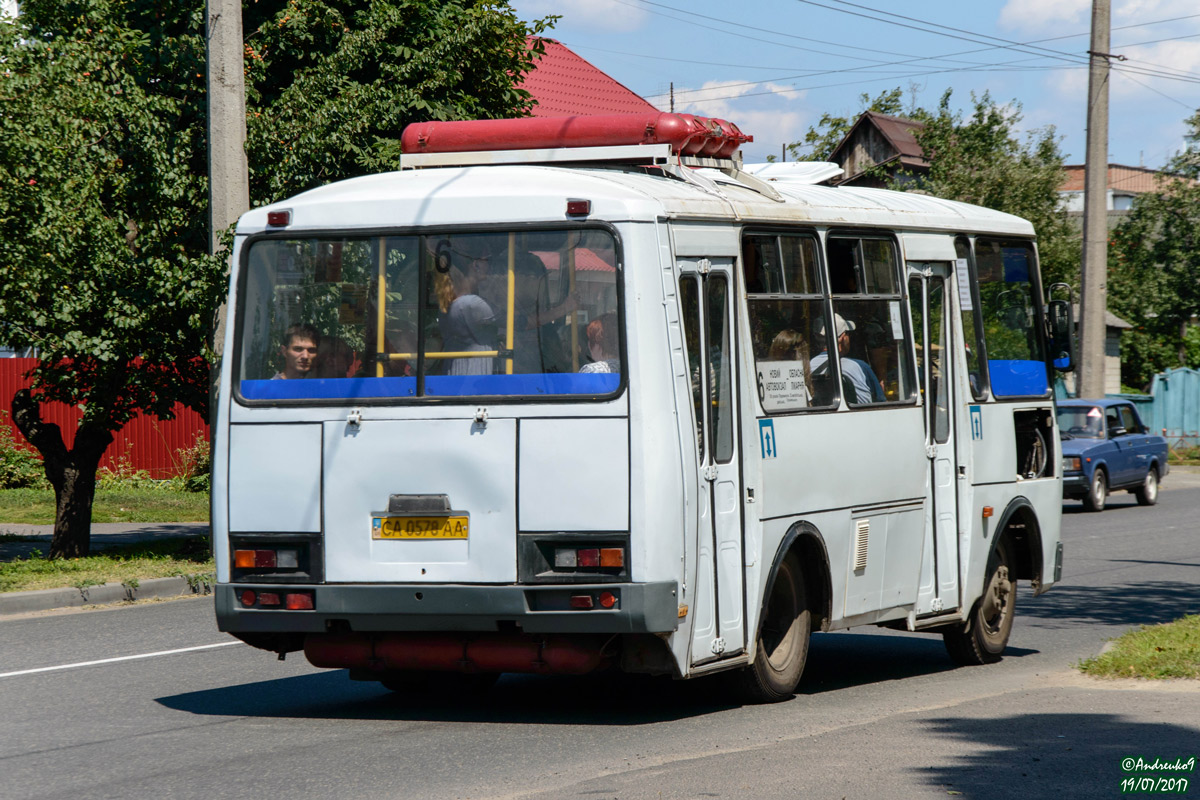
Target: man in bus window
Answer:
pixel 299 352
pixel 867 387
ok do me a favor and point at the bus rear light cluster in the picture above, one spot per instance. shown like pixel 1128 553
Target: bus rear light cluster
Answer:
pixel 586 557
pixel 584 602
pixel 283 558
pixel 292 601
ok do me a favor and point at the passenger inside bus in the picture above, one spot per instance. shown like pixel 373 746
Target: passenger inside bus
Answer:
pixel 467 323
pixel 602 345
pixel 536 343
pixel 867 388
pixel 299 352
pixel 335 359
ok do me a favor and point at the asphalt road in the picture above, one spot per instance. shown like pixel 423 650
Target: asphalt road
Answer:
pixel 880 714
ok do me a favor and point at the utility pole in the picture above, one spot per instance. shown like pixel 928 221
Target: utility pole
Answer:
pixel 672 97
pixel 228 177
pixel 1094 279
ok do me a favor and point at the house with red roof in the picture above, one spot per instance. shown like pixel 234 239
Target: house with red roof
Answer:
pixel 565 84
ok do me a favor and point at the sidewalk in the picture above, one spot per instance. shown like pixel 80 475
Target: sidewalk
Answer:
pixel 104 535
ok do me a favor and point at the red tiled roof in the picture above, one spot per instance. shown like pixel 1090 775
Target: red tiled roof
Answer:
pixel 585 260
pixel 566 85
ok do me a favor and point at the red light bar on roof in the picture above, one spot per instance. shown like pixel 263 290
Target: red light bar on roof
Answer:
pixel 687 134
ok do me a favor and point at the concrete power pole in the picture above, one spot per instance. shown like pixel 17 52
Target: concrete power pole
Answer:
pixel 1094 280
pixel 229 190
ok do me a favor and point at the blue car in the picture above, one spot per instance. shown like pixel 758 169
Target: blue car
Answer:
pixel 1105 448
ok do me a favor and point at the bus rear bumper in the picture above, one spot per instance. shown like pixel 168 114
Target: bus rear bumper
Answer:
pixel 638 608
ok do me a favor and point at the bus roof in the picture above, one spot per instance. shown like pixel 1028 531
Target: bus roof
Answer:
pixel 536 193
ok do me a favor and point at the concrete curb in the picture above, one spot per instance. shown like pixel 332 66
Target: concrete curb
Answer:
pixel 45 599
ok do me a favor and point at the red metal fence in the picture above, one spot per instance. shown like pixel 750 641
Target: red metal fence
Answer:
pixel 145 443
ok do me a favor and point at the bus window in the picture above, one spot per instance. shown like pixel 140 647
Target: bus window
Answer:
pixel 1007 296
pixel 868 325
pixel 720 367
pixel 689 301
pixel 939 337
pixel 972 327
pixel 458 314
pixel 783 325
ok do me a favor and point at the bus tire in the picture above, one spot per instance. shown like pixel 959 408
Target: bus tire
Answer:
pixel 986 634
pixel 783 634
pixel 1097 496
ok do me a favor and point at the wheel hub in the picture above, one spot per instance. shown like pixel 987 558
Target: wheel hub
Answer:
pixel 995 600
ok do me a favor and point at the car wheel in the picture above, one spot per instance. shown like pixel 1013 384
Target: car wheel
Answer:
pixel 1147 493
pixel 1097 495
pixel 986 635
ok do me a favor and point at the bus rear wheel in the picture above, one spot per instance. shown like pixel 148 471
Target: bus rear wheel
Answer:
pixel 986 635
pixel 783 636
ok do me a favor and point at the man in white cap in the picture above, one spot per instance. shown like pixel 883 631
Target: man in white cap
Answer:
pixel 866 385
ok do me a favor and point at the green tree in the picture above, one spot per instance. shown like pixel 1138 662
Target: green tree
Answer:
pixel 332 83
pixel 1154 270
pixel 980 159
pixel 103 264
pixel 103 179
pixel 977 159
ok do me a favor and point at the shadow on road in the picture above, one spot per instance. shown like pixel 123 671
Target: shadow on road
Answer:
pixel 601 700
pixel 1051 755
pixel 836 661
pixel 839 660
pixel 1146 603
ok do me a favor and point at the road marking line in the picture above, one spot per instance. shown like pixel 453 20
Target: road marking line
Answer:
pixel 114 660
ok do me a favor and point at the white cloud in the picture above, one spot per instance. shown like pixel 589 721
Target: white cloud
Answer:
pixel 596 15
pixel 1036 15
pixel 1074 16
pixel 772 119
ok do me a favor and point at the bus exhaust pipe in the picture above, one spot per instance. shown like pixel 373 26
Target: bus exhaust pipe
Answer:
pixel 457 652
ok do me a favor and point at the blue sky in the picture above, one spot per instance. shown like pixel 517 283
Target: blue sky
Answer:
pixel 774 66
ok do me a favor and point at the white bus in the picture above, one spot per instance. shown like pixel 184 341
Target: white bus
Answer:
pixel 588 403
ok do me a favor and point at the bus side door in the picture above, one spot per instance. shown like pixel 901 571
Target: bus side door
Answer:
pixel 707 313
pixel 929 294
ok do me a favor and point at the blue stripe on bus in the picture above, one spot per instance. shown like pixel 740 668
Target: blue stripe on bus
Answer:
pixel 567 383
pixel 1018 378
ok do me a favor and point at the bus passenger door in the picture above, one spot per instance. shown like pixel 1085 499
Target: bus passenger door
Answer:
pixel 929 288
pixel 707 308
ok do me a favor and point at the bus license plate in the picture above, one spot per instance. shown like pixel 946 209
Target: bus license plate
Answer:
pixel 419 527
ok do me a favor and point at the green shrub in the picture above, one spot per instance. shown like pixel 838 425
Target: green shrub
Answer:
pixel 195 464
pixel 20 468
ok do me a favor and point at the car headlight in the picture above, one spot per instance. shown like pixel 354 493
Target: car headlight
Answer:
pixel 1071 464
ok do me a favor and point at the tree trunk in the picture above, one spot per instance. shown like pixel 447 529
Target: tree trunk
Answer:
pixel 72 473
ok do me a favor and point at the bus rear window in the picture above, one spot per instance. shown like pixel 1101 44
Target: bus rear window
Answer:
pixel 534 313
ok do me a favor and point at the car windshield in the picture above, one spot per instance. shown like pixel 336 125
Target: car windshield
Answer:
pixel 1081 422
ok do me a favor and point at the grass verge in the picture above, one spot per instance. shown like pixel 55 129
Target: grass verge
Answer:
pixel 125 504
pixel 1171 650
pixel 165 558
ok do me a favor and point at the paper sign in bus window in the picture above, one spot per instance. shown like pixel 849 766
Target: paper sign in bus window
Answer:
pixel 781 385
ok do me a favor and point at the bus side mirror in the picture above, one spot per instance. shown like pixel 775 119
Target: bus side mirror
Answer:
pixel 1060 324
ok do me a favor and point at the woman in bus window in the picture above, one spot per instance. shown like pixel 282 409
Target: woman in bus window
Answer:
pixel 602 345
pixel 467 322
